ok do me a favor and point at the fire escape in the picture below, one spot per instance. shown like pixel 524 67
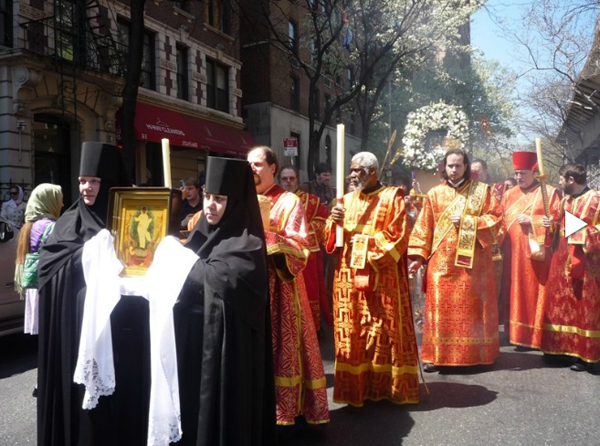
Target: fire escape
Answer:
pixel 79 41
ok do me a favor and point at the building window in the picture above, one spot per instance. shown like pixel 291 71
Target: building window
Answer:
pixel 294 94
pixel 148 71
pixel 216 15
pixel 327 105
pixel 182 72
pixel 6 28
pixel 217 78
pixel 317 103
pixel 293 36
pixel 148 74
pixel 66 30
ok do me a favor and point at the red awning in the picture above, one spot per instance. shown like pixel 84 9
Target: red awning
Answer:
pixel 154 123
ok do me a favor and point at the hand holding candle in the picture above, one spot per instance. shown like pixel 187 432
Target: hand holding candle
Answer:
pixel 166 153
pixel 339 180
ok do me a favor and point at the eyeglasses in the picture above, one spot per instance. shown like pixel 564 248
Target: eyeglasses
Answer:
pixel 14 192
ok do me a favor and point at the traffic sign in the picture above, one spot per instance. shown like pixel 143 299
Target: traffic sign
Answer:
pixel 573 224
pixel 290 146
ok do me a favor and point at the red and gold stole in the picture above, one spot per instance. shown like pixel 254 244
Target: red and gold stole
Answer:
pixel 366 273
pixel 468 203
pixel 311 207
pixel 537 234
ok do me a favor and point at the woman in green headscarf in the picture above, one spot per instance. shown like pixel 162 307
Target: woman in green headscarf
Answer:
pixel 43 209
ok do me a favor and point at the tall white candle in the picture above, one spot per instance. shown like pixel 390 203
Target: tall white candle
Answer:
pixel 538 149
pixel 166 153
pixel 339 181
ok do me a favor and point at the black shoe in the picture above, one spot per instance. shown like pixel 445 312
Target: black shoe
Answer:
pixel 521 348
pixel 430 368
pixel 579 366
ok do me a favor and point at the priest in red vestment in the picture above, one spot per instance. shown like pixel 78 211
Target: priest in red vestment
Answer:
pixel 300 386
pixel 526 252
pixel 314 273
pixel 375 346
pixel 572 318
pixel 479 172
pixel 453 235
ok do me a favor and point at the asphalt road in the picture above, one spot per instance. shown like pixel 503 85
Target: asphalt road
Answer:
pixel 520 400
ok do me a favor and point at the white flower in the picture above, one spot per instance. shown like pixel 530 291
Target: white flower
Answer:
pixel 432 117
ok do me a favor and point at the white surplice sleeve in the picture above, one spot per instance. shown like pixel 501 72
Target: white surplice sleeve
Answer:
pixel 164 279
pixel 95 367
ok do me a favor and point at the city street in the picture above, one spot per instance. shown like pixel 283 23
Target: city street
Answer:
pixel 520 400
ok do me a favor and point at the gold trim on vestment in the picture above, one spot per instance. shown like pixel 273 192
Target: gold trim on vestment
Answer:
pixel 468 203
pixel 535 241
pixel 521 324
pixel 360 248
pixel 381 398
pixel 467 231
pixel 508 211
pixel 572 330
pixel 293 381
pixel 387 246
pixel 465 247
pixel 377 368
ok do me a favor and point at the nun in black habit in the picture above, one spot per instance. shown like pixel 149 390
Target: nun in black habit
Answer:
pixel 222 326
pixel 118 419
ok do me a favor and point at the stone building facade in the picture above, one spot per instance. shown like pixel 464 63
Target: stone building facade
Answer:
pixel 61 76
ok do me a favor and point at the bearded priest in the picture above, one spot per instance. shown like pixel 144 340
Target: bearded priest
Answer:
pixel 572 317
pixel 453 236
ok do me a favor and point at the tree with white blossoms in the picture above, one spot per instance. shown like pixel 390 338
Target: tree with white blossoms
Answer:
pixel 359 43
pixel 482 89
pixel 423 31
pixel 439 116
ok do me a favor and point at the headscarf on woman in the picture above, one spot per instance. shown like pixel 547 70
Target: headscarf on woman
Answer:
pixel 13 209
pixel 15 202
pixel 222 321
pixel 45 201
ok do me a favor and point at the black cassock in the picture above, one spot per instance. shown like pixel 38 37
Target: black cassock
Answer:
pixel 223 335
pixel 118 419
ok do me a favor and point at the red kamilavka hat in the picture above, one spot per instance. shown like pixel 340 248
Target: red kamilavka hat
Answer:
pixel 524 160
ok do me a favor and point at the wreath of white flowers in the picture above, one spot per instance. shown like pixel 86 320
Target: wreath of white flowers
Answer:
pixel 432 117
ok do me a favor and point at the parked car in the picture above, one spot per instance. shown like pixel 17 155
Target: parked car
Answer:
pixel 12 308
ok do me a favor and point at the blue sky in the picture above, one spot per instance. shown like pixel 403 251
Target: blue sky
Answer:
pixel 488 27
pixel 487 35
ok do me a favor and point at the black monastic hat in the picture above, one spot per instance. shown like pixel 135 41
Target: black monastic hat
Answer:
pixel 226 176
pixel 100 160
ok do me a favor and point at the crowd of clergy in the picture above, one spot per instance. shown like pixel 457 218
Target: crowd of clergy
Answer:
pixel 224 346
